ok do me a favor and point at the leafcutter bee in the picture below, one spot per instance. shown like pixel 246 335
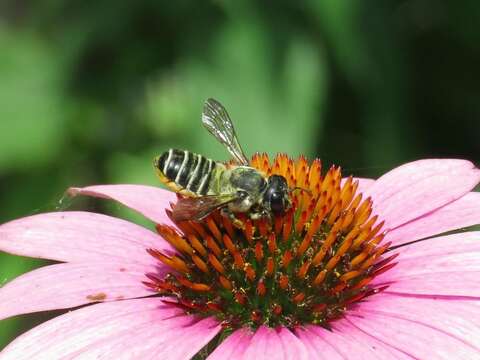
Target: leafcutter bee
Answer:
pixel 207 185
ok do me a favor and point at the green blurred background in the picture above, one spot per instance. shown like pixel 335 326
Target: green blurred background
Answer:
pixel 91 91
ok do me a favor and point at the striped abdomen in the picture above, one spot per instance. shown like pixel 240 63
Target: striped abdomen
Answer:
pixel 185 171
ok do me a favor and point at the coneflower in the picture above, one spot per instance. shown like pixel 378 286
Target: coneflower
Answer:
pixel 341 275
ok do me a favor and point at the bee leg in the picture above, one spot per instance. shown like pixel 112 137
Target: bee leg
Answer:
pixel 256 215
pixel 235 221
pixel 259 214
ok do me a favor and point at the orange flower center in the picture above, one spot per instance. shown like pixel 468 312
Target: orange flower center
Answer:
pixel 305 267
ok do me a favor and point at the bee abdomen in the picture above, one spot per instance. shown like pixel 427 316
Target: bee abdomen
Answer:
pixel 187 170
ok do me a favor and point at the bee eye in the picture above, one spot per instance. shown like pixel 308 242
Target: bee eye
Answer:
pixel 276 196
pixel 276 202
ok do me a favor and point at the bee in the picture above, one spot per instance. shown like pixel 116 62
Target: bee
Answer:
pixel 207 185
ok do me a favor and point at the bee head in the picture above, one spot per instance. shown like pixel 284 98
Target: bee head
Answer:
pixel 276 196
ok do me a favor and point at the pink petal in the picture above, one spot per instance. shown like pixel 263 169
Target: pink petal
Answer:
pixel 364 184
pixel 422 328
pixel 140 329
pixel 147 200
pixel 461 213
pixel 80 237
pixel 179 339
pixel 417 188
pixel 460 317
pixel 317 346
pixel 447 265
pixel 233 347
pixel 63 286
pixel 347 342
pixel 279 344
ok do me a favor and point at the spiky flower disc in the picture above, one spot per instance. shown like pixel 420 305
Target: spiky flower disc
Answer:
pixel 305 267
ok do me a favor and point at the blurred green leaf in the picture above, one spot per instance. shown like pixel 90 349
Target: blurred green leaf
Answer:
pixel 32 108
pixel 272 103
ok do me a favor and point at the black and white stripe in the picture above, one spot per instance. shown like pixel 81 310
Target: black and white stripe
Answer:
pixel 186 169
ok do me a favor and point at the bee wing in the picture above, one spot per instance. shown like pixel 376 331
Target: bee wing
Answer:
pixel 196 208
pixel 217 121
